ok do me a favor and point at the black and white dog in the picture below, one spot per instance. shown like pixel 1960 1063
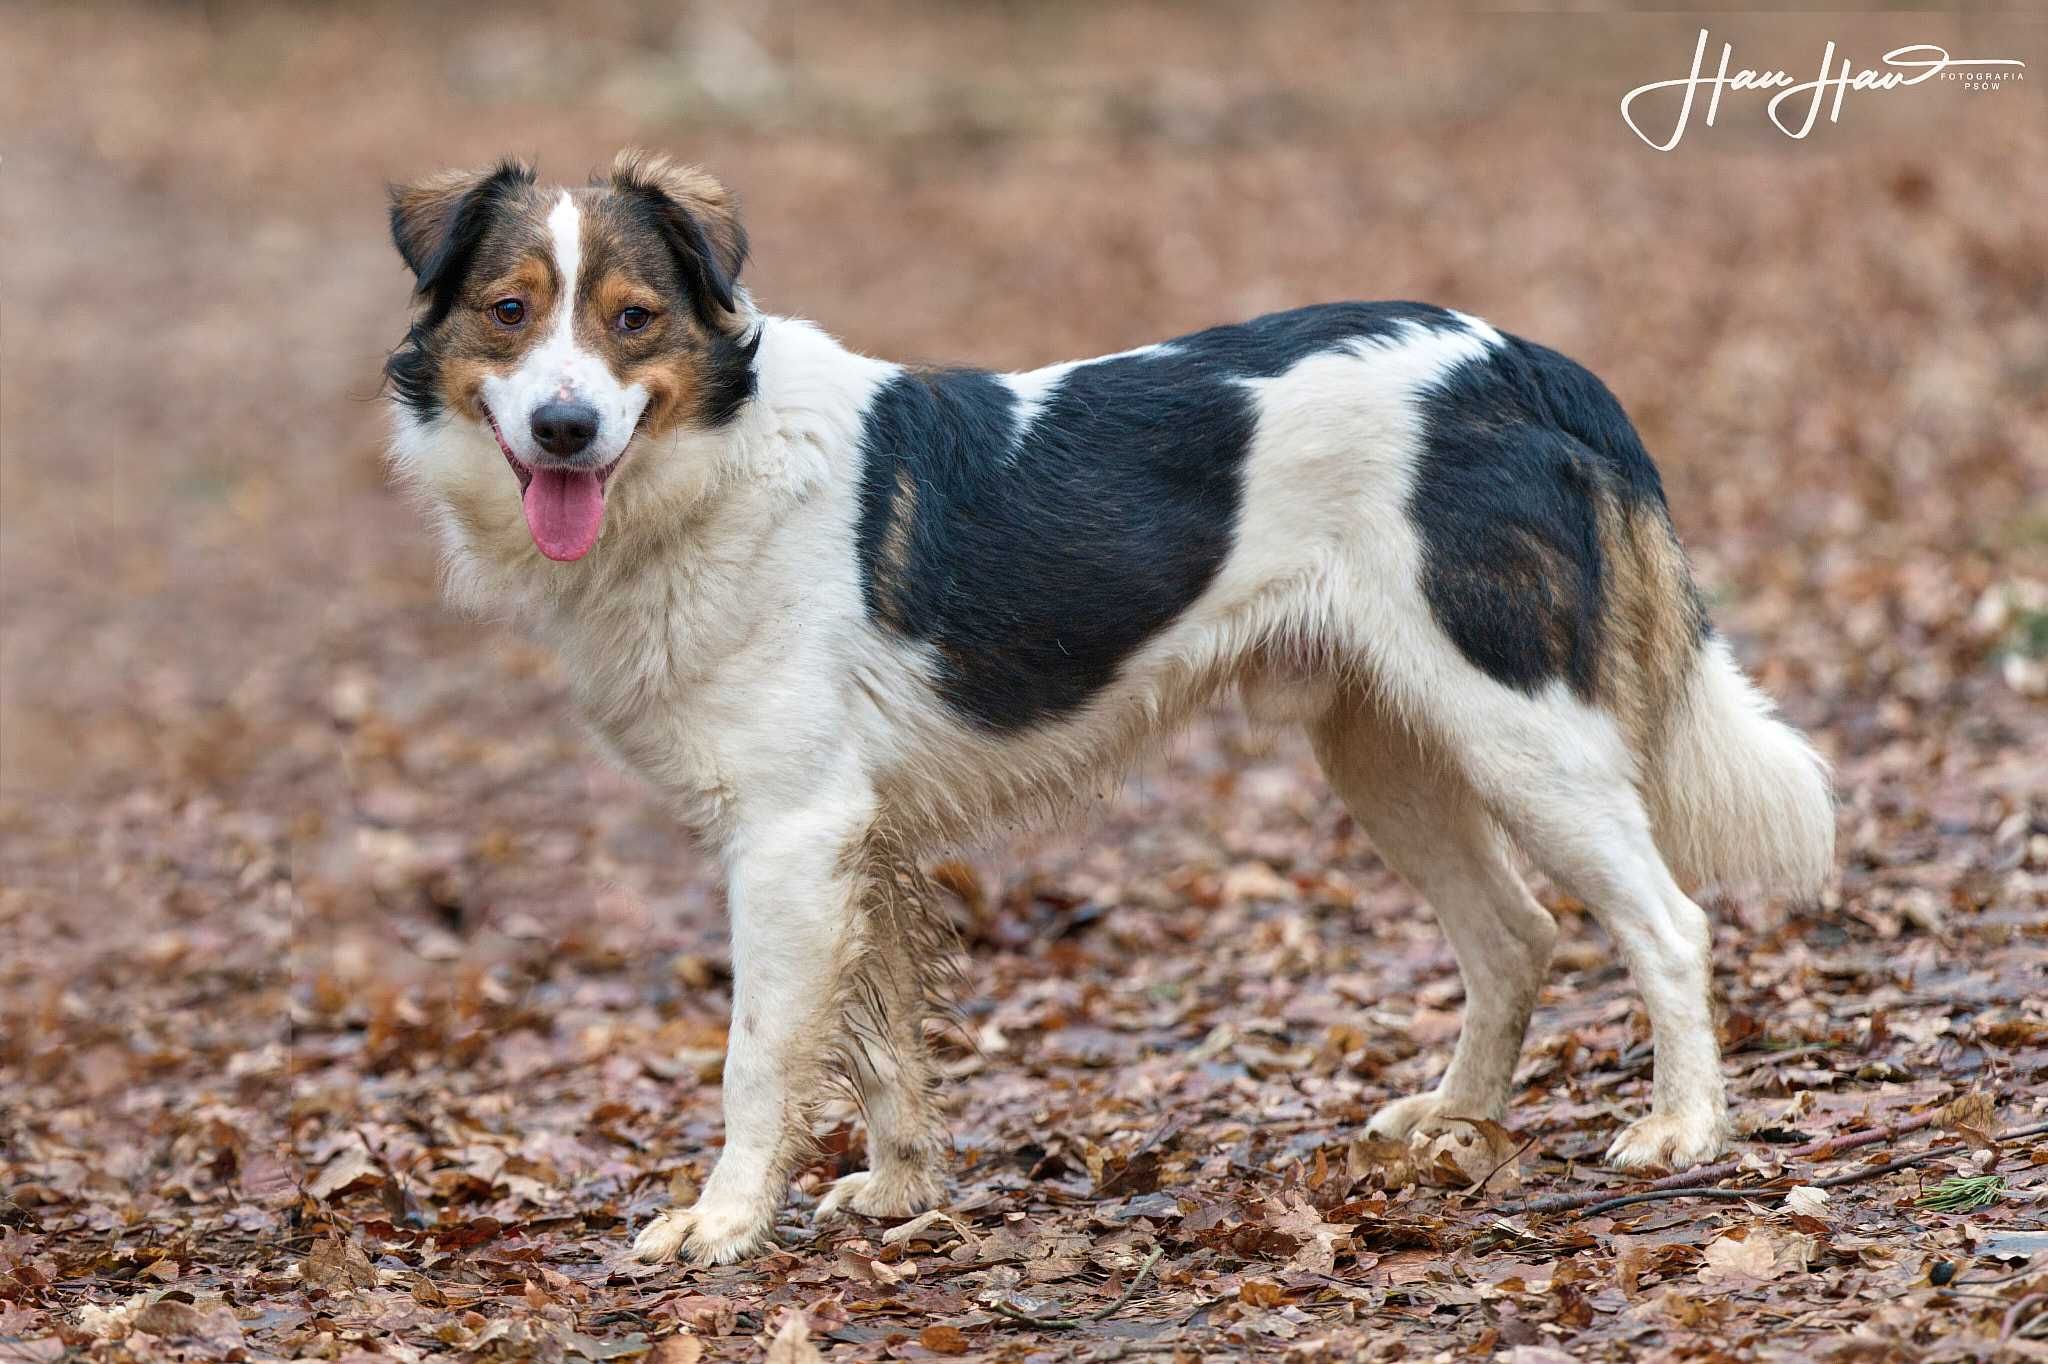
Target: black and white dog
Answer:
pixel 839 610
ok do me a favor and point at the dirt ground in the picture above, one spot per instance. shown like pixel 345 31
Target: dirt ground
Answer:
pixel 350 1007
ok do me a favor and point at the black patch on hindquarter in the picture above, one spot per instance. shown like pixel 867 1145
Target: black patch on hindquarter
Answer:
pixel 1521 447
pixel 1036 562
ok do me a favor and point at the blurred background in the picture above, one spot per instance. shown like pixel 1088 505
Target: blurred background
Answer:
pixel 269 811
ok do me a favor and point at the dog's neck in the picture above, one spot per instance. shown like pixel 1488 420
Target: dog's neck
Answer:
pixel 802 426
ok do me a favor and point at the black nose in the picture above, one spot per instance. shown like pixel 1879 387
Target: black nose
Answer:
pixel 564 428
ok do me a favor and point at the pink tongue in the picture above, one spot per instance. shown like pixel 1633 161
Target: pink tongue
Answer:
pixel 564 511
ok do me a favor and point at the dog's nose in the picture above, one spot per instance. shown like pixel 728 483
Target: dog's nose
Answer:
pixel 564 429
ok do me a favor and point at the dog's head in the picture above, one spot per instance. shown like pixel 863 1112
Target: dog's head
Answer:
pixel 576 326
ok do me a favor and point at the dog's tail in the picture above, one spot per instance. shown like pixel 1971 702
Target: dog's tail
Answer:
pixel 1736 796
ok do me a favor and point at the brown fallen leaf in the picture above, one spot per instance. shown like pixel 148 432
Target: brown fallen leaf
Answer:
pixel 350 1166
pixel 44 1350
pixel 1974 1118
pixel 338 1265
pixel 213 1325
pixel 1747 1256
pixel 1388 1164
pixel 1248 881
pixel 1467 1151
pixel 677 1349
pixel 935 1228
pixel 943 1340
pixel 792 1344
pixel 1262 1293
pixel 1807 1201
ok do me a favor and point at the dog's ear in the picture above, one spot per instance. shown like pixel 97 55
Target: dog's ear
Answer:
pixel 702 222
pixel 437 222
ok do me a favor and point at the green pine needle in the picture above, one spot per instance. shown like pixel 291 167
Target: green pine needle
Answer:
pixel 1960 1193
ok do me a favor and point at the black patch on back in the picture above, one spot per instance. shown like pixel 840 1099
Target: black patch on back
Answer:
pixel 1035 563
pixel 1521 446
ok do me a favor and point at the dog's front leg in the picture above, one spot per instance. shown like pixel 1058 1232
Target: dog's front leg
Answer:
pixel 905 977
pixel 795 932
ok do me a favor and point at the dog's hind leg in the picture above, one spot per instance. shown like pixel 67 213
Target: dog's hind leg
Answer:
pixel 1431 827
pixel 1582 821
pixel 905 976
pixel 1559 776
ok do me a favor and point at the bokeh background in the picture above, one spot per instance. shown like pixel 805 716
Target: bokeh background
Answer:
pixel 296 861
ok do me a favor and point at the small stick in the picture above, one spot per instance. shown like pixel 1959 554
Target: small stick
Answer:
pixel 1771 1058
pixel 1075 1323
pixel 1769 1191
pixel 1481 1185
pixel 2011 1324
pixel 1652 1195
pixel 1687 1179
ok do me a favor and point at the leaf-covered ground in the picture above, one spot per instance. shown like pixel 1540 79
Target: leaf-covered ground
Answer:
pixel 353 1009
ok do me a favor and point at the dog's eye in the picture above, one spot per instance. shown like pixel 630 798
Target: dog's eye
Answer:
pixel 509 311
pixel 633 319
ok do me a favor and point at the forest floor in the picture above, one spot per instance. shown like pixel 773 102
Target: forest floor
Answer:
pixel 351 1008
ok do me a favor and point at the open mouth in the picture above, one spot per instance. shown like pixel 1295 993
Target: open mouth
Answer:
pixel 564 506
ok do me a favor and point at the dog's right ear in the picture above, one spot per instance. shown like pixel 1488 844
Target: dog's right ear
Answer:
pixel 702 223
pixel 437 222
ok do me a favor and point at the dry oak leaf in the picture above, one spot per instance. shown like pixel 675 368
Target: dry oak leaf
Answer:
pixel 1974 1118
pixel 683 1349
pixel 1389 1161
pixel 1467 1151
pixel 1262 1293
pixel 792 1344
pixel 936 1228
pixel 214 1325
pixel 1807 1201
pixel 338 1265
pixel 1316 1242
pixel 111 1323
pixel 943 1340
pixel 351 1164
pixel 1748 1256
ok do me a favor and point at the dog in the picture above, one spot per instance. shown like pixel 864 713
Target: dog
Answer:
pixel 840 611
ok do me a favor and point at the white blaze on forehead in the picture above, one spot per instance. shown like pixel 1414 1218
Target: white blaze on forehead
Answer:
pixel 565 225
pixel 559 367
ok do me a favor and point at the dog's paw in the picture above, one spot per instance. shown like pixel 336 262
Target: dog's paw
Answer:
pixel 886 1195
pixel 1420 1117
pixel 703 1236
pixel 1669 1141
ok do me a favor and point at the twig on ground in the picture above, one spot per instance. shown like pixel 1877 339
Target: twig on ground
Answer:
pixel 1653 1195
pixel 1519 1152
pixel 2014 1317
pixel 1666 1188
pixel 1075 1323
pixel 1687 1179
pixel 1771 1058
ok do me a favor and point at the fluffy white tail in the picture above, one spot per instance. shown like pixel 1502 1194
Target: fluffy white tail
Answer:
pixel 1738 797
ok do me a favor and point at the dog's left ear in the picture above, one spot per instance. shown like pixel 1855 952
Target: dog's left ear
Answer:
pixel 701 220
